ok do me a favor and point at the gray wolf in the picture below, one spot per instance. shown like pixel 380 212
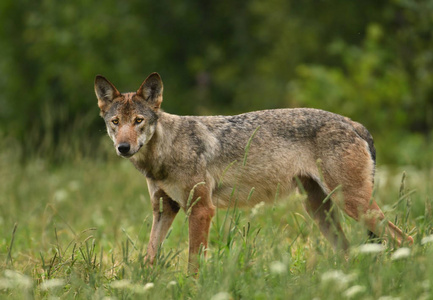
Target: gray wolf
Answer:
pixel 198 163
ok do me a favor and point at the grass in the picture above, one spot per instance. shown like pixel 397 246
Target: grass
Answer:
pixel 79 231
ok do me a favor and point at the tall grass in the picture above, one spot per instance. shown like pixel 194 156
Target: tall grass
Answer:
pixel 79 230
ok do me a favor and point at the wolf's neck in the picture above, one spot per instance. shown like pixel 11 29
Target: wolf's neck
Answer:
pixel 167 128
pixel 151 159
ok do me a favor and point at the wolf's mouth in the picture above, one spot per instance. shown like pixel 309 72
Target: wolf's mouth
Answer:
pixel 129 153
pixel 126 155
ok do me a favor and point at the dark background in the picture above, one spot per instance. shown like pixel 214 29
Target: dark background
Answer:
pixel 370 60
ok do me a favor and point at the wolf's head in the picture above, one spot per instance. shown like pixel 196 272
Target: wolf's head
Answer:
pixel 130 117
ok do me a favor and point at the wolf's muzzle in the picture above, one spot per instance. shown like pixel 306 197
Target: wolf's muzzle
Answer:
pixel 123 148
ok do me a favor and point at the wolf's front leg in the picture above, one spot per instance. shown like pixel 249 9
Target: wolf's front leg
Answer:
pixel 200 217
pixel 164 211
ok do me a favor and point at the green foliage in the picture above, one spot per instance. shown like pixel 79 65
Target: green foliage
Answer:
pixel 371 61
pixel 371 82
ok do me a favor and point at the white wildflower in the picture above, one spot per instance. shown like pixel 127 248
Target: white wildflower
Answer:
pixel 5 284
pixel 60 195
pixel 353 291
pixel 121 284
pixel 426 284
pixel 371 248
pixel 141 289
pixel 400 253
pixel 278 268
pixel 172 283
pixel 98 218
pixel 221 296
pixel 338 278
pixel 148 286
pixel 52 284
pixel 256 208
pixel 387 208
pixel 15 279
pixel 74 185
pixel 427 239
pixel 332 275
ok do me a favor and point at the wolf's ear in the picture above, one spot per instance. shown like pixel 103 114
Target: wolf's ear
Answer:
pixel 105 92
pixel 151 90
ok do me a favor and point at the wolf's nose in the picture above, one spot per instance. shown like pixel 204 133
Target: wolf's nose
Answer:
pixel 123 148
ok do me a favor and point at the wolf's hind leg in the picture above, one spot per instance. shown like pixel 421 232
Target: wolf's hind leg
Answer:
pixel 322 212
pixel 358 204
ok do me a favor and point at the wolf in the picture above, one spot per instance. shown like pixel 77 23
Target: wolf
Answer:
pixel 198 163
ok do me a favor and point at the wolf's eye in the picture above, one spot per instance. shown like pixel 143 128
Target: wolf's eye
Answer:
pixel 138 120
pixel 115 122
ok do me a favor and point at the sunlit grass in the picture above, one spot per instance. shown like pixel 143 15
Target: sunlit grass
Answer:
pixel 80 230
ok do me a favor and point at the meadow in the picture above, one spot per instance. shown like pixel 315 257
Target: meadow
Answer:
pixel 79 230
pixel 75 219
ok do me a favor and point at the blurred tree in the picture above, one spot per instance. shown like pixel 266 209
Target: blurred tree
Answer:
pixel 369 60
pixel 386 82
